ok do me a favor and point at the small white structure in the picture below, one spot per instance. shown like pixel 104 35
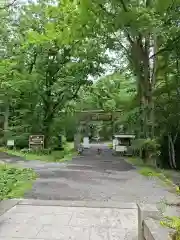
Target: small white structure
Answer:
pixel 10 143
pixel 86 142
pixel 121 142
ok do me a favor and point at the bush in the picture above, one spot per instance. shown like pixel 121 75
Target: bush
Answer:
pixel 164 156
pixel 146 148
pixel 45 151
pixel 25 150
pixel 22 141
pixel 173 223
pixel 14 181
pixel 148 172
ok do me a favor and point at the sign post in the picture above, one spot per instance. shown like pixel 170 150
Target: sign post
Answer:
pixel 10 143
pixel 36 142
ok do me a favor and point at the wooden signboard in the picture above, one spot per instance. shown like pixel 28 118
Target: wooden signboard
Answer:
pixel 36 142
pixel 101 117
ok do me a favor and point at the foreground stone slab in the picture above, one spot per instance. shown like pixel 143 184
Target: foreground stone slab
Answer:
pixel 154 231
pixel 149 227
pixel 5 205
pixel 92 204
pixel 48 221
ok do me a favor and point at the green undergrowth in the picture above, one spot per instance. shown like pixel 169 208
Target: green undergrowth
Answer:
pixel 165 177
pixel 54 156
pixel 173 223
pixel 151 171
pixel 14 182
pixel 110 145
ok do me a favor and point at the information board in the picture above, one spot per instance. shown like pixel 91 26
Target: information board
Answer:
pixel 10 143
pixel 36 142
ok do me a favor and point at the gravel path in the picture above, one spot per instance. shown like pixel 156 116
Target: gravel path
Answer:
pixel 92 177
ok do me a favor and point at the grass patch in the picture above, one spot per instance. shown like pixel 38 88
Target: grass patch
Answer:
pixel 14 182
pixel 148 172
pixel 173 223
pixel 55 156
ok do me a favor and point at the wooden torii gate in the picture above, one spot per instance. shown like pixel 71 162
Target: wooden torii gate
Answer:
pixel 86 116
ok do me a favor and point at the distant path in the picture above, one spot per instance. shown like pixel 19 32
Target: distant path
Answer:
pixel 91 177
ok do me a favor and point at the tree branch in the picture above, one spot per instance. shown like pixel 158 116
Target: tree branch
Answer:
pixel 124 5
pixel 60 100
pixel 112 15
pixel 167 48
pixel 32 63
pixel 126 32
pixel 8 5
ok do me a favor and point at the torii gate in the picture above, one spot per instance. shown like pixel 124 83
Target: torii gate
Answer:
pixel 87 116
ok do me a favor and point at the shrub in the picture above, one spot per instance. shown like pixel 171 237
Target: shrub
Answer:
pixel 148 172
pixel 25 150
pixel 173 223
pixel 146 148
pixel 46 151
pixel 14 181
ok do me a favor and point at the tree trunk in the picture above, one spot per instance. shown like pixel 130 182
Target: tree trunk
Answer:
pixel 153 82
pixel 169 152
pixel 48 119
pixel 6 121
pixel 140 59
pixel 46 131
pixel 172 154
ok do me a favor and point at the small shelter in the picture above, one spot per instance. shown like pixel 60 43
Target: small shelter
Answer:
pixel 122 142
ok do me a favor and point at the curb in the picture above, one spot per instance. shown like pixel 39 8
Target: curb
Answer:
pixel 6 205
pixel 87 204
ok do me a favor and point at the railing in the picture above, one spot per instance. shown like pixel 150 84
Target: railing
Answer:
pixel 149 227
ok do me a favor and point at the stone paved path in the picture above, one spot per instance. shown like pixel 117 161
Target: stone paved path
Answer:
pixel 39 222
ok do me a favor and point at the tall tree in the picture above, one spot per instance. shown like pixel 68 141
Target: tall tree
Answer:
pixel 133 27
pixel 53 63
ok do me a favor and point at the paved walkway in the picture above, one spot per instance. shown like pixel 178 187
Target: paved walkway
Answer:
pixel 92 177
pixel 28 220
pixel 91 198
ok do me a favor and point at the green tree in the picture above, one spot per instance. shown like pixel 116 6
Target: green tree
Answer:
pixel 53 64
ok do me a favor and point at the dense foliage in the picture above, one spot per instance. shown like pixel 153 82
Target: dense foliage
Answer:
pixel 52 50
pixel 14 181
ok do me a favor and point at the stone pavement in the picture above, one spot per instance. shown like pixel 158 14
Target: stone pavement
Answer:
pixel 63 220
